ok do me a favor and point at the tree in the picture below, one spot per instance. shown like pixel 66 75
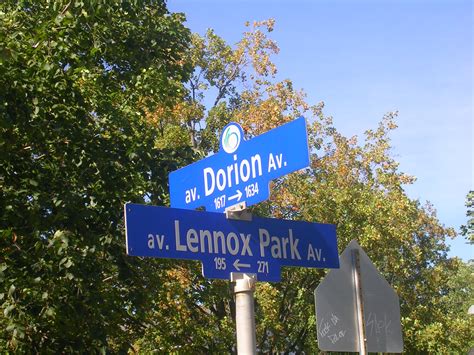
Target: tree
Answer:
pixel 356 186
pixel 468 229
pixel 228 78
pixel 455 328
pixel 76 80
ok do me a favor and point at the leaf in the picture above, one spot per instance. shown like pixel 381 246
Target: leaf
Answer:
pixel 47 67
pixel 8 310
pixel 33 182
pixel 68 264
pixel 50 312
pixel 11 290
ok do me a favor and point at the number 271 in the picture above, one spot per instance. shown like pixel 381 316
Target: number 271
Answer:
pixel 262 266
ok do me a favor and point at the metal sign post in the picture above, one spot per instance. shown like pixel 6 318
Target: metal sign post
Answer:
pixel 359 302
pixel 244 312
pixel 244 295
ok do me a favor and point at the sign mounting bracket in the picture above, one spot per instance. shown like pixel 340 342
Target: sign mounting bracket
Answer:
pixel 238 212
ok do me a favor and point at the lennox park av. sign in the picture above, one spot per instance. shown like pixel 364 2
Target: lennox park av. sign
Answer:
pixel 260 246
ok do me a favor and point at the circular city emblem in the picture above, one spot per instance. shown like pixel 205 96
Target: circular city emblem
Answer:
pixel 230 139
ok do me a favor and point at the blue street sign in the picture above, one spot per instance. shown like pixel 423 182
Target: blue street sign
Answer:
pixel 241 170
pixel 261 246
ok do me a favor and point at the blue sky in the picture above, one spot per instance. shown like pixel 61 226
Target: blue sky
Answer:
pixel 366 58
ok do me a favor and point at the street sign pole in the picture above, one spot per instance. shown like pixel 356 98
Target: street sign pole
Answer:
pixel 359 302
pixel 244 295
pixel 244 312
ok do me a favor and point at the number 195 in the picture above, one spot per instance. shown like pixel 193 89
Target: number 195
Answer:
pixel 220 263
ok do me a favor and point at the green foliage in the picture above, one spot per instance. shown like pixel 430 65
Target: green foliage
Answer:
pixel 468 229
pixel 197 314
pixel 75 81
pixel 450 330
